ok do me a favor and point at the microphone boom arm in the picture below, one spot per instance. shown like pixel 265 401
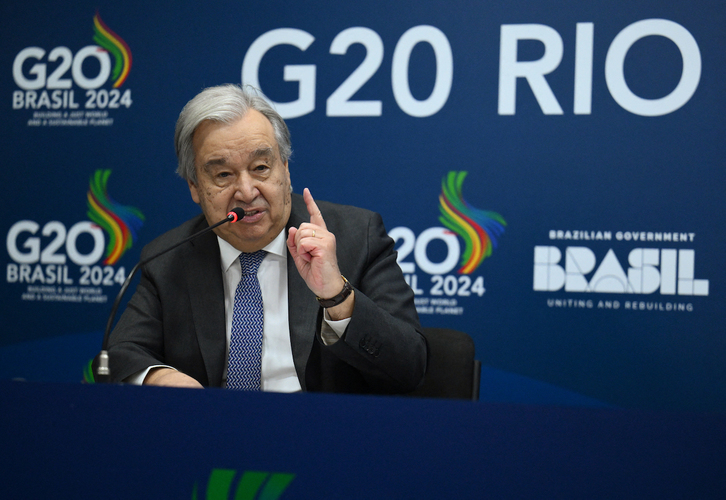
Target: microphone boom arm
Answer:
pixel 103 372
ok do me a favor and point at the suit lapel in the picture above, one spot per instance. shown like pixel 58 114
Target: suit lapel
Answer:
pixel 206 294
pixel 302 307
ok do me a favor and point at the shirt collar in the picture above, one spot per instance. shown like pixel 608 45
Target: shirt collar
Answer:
pixel 230 254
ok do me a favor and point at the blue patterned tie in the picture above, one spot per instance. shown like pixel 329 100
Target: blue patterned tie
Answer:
pixel 245 343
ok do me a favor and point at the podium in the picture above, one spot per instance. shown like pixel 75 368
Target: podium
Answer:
pixel 107 441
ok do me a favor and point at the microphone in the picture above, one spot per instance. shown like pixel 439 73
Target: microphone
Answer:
pixel 103 372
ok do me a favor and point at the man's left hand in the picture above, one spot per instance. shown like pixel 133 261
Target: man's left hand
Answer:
pixel 313 247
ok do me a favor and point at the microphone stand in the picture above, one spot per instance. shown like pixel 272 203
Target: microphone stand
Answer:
pixel 102 372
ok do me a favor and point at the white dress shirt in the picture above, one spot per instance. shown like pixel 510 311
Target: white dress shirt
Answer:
pixel 278 367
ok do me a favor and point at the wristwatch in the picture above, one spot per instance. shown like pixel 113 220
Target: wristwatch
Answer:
pixel 338 299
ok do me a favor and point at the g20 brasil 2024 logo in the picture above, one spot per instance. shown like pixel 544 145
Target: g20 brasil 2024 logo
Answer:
pixel 50 88
pixel 250 485
pixel 52 255
pixel 479 230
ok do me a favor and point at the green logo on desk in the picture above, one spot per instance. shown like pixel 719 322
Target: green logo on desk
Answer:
pixel 251 485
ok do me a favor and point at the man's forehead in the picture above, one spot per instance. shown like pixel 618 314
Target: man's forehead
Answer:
pixel 218 142
pixel 221 159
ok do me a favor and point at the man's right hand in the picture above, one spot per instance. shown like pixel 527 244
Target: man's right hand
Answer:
pixel 168 377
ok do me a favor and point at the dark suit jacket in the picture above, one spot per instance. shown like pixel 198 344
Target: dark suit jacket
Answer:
pixel 176 316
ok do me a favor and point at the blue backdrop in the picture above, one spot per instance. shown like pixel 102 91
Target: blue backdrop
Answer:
pixel 551 171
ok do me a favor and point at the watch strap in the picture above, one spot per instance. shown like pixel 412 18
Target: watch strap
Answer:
pixel 338 299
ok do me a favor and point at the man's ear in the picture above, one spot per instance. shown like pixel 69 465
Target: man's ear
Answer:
pixel 194 192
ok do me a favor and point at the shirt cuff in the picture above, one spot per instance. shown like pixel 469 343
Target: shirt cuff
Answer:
pixel 331 330
pixel 138 377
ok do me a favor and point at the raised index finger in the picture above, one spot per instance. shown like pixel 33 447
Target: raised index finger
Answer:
pixel 315 216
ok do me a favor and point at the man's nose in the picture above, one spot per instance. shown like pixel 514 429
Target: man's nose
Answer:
pixel 246 189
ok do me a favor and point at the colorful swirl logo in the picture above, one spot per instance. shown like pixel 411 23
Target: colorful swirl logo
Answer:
pixel 120 222
pixel 110 41
pixel 479 229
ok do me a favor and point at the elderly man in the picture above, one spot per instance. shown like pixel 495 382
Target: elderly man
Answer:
pixel 296 295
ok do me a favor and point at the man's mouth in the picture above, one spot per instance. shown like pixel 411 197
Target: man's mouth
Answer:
pixel 252 215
